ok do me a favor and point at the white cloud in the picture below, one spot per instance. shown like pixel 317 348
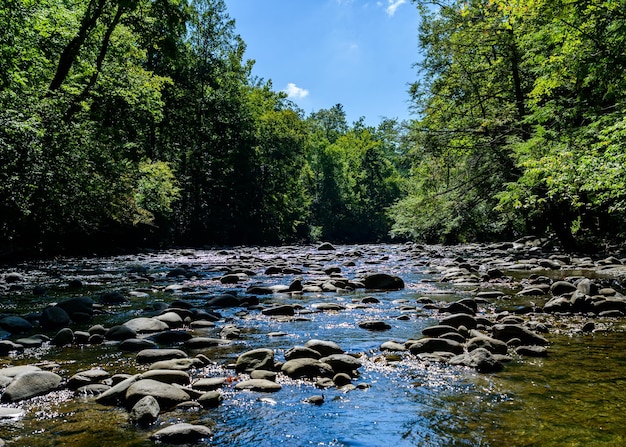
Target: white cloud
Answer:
pixel 295 92
pixel 393 5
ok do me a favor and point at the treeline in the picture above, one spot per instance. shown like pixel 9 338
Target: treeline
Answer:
pixel 131 122
pixel 522 125
pixel 138 122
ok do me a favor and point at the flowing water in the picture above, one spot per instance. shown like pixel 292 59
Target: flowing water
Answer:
pixel 574 397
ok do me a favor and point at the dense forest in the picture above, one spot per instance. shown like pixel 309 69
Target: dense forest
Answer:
pixel 127 123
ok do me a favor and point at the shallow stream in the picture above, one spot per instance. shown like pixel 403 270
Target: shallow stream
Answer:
pixel 574 397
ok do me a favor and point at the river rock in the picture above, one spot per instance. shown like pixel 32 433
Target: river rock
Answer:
pixel 262 385
pixel 532 351
pixel 283 310
pixel 392 346
pixel 438 330
pixel 375 325
pixel 167 395
pixel 54 317
pixel 490 344
pixel 170 337
pixel 117 392
pixel 170 376
pixel 145 411
pixel 324 347
pixel 136 344
pixel 561 288
pixel 306 368
pixel 255 359
pixel 480 359
pixel 64 337
pixel 196 343
pixel 171 319
pixel 154 355
pixel 298 352
pixel 119 333
pixel 506 332
pixel 429 345
pixel 458 320
pixel 7 346
pixel 326 246
pixel 179 364
pixel 31 384
pixel 14 371
pixel 224 300
pixel 15 324
pixel 209 383
pixel 558 304
pixel 88 377
pixel 182 433
pixel 143 325
pixel 383 281
pixel 211 399
pixel 79 309
pixel 342 363
pixel 342 379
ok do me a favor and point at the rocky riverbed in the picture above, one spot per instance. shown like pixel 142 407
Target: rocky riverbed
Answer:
pixel 324 345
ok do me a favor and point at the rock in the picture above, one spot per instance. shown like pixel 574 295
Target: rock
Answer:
pixel 230 332
pixel 342 379
pixel 457 308
pixel 169 337
pixel 284 310
pixel 31 384
pixel 167 395
pixel 209 384
pixel 324 347
pixel 315 400
pixel 587 287
pixel 558 304
pixel 182 433
pixel 480 359
pixel 183 364
pixel 342 363
pixel 532 351
pixel 383 281
pixel 490 344
pixel 211 399
pixel 145 411
pixel 306 368
pixel 262 385
pixel 438 330
pixel 117 392
pixel 77 308
pixel 506 332
pixel 29 342
pixel 298 352
pixel 143 325
pixel 88 377
pixel 392 346
pixel 7 346
pixel 171 319
pixel 170 376
pixel 154 355
pixel 113 298
pixel 375 325
pixel 136 344
pixel 326 246
pixel 196 343
pixel 256 359
pixel 119 333
pixel 64 337
pixel 16 325
pixel 561 288
pixel 263 374
pixel 589 326
pixel 458 320
pixel 429 345
pixel 224 300
pixel 54 317
pixel 14 371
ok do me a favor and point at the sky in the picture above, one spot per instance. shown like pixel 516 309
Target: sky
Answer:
pixel 358 53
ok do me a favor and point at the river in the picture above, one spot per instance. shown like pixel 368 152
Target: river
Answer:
pixel 573 397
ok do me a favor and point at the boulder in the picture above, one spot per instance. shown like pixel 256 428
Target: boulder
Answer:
pixel 561 288
pixel 170 376
pixel 342 362
pixel 64 337
pixel 306 368
pixel 262 385
pixel 15 324
pixel 88 377
pixel 383 281
pixel 54 317
pixel 480 359
pixel 31 384
pixel 143 325
pixel 255 359
pixel 324 347
pixel 429 345
pixel 168 396
pixel 117 392
pixel 182 364
pixel 211 399
pixel 506 332
pixel 284 310
pixel 136 344
pixel 458 320
pixel 490 344
pixel 154 355
pixel 119 333
pixel 182 433
pixel 298 352
pixel 375 325
pixel 145 411
pixel 77 308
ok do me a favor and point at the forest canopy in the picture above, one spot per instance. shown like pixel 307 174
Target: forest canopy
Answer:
pixel 138 122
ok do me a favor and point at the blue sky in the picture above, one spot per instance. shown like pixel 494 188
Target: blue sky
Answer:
pixel 359 53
